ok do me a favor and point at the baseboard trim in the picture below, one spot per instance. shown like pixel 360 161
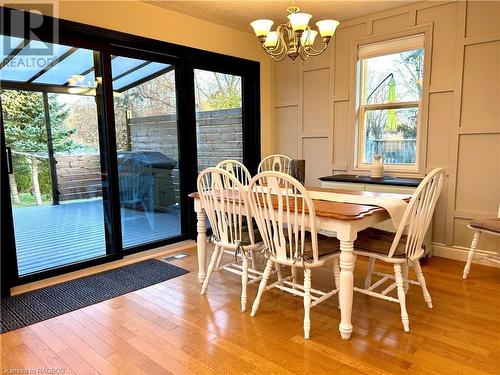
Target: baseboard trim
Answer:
pixel 461 253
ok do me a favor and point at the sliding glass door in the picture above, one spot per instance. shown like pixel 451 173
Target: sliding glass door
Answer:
pixel 52 134
pixel 219 117
pixel 145 107
pixel 105 134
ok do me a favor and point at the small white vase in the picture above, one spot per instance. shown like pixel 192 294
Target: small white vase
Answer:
pixel 377 170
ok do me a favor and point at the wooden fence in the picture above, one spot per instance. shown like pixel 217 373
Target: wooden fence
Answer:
pixel 393 151
pixel 218 133
pixel 78 176
pixel 219 136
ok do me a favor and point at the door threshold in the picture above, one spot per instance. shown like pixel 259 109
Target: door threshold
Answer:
pixel 159 252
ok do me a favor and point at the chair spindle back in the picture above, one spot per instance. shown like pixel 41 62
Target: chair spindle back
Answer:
pixel 276 162
pixel 284 212
pixel 419 212
pixel 224 200
pixel 237 169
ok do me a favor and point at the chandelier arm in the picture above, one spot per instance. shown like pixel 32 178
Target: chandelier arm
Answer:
pixel 272 51
pixel 278 59
pixel 303 54
pixel 315 52
pixel 280 47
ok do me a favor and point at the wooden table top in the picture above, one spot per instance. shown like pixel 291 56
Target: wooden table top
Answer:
pixel 344 211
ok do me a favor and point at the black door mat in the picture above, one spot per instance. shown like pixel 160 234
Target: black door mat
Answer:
pixel 32 307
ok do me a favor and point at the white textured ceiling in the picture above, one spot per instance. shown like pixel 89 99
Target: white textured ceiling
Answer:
pixel 239 14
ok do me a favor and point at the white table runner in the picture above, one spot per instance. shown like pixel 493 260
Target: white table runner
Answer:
pixel 395 206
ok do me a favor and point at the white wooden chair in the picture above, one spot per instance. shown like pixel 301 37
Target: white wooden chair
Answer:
pixel 491 226
pixel 237 169
pixel 224 200
pixel 276 162
pixel 290 238
pixel 403 247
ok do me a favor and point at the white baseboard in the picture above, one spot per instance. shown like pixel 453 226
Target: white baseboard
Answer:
pixel 461 253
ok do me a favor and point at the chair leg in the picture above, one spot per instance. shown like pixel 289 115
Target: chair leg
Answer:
pixel 294 276
pixel 307 302
pixel 368 279
pixel 278 270
pixel 406 284
pixel 220 259
pixel 244 282
pixel 262 286
pixel 472 251
pixel 402 297
pixel 421 281
pixel 254 264
pixel 211 266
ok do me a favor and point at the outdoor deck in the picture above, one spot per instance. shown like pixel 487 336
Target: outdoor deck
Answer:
pixel 51 236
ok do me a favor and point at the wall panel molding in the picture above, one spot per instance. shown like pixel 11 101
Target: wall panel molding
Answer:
pixel 440 89
pixel 286 104
pixel 479 39
pixel 456 118
pixel 449 142
pixel 477 132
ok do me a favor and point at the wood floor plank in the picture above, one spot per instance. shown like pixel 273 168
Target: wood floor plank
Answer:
pixel 169 328
pixel 45 354
pixel 93 357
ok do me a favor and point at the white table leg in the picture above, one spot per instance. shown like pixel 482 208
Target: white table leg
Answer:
pixel 201 244
pixel 346 289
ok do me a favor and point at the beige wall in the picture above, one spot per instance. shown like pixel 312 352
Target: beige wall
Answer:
pixel 141 18
pixel 314 108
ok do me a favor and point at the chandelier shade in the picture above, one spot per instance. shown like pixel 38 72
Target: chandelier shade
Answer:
pixel 308 37
pixel 262 27
pixel 299 21
pixel 271 39
pixel 294 38
pixel 327 27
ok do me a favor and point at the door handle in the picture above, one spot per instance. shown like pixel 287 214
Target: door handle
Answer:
pixel 10 168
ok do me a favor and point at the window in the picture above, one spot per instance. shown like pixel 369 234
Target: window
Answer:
pixel 390 92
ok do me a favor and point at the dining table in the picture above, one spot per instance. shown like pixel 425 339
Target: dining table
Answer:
pixel 338 219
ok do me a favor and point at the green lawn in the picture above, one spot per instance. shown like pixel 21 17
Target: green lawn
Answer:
pixel 28 200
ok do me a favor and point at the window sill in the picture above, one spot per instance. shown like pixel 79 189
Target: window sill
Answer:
pixel 389 171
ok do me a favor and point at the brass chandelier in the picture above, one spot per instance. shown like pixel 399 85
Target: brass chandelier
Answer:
pixel 294 38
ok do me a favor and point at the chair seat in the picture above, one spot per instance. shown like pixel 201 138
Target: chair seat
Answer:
pixel 379 241
pixel 326 246
pixel 491 225
pixel 245 236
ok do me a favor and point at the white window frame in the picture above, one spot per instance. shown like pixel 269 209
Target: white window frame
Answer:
pixel 375 47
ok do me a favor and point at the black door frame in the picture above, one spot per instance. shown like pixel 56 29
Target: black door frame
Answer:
pixel 185 59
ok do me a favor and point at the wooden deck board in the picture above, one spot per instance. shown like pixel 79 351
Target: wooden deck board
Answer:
pixel 51 236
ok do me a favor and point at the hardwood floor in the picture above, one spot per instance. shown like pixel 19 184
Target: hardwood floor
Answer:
pixel 170 328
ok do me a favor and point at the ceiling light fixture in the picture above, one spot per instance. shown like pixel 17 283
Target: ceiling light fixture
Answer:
pixel 295 38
